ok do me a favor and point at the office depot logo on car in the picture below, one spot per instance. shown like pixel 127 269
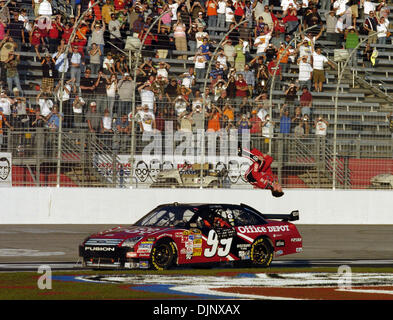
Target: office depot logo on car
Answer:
pixel 258 229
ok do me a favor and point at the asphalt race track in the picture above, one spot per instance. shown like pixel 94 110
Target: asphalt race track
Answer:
pixel 59 243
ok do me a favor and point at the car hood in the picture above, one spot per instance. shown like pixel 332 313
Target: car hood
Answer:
pixel 129 232
pixel 385 177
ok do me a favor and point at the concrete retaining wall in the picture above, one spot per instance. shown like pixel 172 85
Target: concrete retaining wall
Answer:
pixel 125 206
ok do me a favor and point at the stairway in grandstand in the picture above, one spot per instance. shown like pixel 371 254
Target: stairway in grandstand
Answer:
pixel 89 151
pixel 312 161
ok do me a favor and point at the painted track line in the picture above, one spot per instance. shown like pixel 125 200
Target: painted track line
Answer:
pixel 68 266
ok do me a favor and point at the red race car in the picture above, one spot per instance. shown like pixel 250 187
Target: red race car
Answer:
pixel 183 234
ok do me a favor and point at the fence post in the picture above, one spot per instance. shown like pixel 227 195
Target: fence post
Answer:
pixel 280 154
pixel 83 141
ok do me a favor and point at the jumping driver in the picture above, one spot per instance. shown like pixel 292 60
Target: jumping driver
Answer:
pixel 260 174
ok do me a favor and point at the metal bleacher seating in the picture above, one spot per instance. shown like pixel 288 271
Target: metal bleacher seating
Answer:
pixel 354 109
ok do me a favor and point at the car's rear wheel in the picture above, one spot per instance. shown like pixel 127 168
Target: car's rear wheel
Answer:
pixel 163 255
pixel 261 252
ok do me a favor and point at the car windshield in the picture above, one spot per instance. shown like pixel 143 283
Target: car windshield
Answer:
pixel 170 216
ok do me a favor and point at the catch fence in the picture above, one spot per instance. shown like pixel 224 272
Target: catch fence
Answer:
pixel 181 154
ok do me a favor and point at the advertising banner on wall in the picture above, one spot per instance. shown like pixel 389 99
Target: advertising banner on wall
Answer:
pixel 147 168
pixel 5 169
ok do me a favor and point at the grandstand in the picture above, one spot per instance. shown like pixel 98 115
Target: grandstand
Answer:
pixel 95 149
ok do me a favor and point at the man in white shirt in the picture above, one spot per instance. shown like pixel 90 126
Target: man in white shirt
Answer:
pixel 173 6
pixel 229 16
pixel 200 64
pixel 229 51
pixel 262 42
pixel 367 7
pixel 305 50
pixel 382 29
pixel 286 3
pixel 114 27
pixel 305 72
pixel 5 104
pixel 200 35
pixel 147 96
pixel 267 17
pixel 344 12
pixel 76 61
pixel 162 70
pixel 188 78
pixel 146 119
pixel 45 104
pixel 222 59
pixel 321 127
pixel 45 8
pixel 61 61
pixel 258 7
pixel 318 69
pixel 222 4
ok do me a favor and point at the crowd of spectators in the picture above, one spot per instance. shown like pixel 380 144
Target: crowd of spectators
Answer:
pixel 99 85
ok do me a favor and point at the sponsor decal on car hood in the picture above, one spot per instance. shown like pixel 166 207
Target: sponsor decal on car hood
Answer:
pixel 130 232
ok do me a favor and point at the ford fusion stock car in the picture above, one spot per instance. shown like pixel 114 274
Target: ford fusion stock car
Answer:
pixel 185 234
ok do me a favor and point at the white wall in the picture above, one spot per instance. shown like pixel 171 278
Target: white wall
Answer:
pixel 29 205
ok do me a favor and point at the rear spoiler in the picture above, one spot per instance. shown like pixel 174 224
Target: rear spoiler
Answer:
pixel 293 216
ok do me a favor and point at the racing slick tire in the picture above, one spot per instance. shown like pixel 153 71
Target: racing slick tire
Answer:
pixel 163 255
pixel 261 252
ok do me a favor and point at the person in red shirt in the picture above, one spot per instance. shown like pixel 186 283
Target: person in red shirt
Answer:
pixel 36 38
pixel 239 10
pixel 306 102
pixel 54 33
pixel 274 68
pixel 291 19
pixel 67 31
pixel 260 174
pixel 150 37
pixel 241 87
pixel 256 123
pixel 80 38
pixel 119 5
pixel 279 25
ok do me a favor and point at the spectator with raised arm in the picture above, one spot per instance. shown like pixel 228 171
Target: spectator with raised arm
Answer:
pixel 106 130
pixel 146 119
pixel 370 25
pixel 383 31
pixel 305 72
pixel 97 35
pixel 321 125
pixel 11 64
pixel 351 43
pixel 285 120
pixel 318 62
pixel 114 28
pixel 179 32
pixel 111 90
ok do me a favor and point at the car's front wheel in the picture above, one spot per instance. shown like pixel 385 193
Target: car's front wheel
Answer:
pixel 261 252
pixel 163 255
